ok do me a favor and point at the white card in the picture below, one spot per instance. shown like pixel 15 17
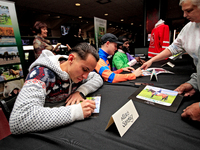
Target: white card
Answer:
pixel 124 118
pixel 170 64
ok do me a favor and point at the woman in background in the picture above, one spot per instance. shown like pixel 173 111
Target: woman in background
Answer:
pixel 40 43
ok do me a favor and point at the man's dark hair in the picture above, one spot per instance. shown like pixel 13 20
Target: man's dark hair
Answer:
pixel 83 49
pixel 38 25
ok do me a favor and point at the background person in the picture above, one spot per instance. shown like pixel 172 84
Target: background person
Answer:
pixel 188 41
pixel 131 39
pixel 122 58
pixel 54 81
pixel 40 43
pixel 108 47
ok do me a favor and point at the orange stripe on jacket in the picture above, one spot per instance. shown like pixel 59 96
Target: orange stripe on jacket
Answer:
pixel 112 76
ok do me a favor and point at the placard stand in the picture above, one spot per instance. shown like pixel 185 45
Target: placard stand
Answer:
pixel 124 118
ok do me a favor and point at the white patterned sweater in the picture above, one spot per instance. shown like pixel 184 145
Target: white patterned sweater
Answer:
pixel 188 40
pixel 29 113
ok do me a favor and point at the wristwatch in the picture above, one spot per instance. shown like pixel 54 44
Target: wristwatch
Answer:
pixel 82 95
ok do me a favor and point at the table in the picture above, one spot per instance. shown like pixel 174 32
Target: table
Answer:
pixel 154 129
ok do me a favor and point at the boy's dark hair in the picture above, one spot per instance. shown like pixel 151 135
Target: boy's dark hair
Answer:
pixel 38 25
pixel 83 49
pixel 121 39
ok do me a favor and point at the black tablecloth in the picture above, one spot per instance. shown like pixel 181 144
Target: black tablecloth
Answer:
pixel 154 129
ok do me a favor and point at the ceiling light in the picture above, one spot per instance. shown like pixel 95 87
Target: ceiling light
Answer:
pixel 122 19
pixel 80 17
pixel 131 23
pixel 78 4
pixel 106 14
pixel 110 24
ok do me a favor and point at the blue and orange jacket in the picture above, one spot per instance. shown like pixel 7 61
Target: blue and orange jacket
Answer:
pixel 103 68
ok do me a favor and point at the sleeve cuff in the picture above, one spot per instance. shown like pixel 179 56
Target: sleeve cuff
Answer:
pixel 77 112
pixel 132 62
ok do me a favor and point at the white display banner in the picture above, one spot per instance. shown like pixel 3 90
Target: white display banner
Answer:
pixel 100 26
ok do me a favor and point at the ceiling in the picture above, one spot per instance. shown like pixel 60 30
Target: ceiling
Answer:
pixel 57 12
pixel 116 9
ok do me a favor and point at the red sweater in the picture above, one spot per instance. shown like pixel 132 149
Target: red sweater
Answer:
pixel 159 39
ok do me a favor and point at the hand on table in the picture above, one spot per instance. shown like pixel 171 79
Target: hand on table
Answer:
pixel 141 61
pixel 88 107
pixel 185 88
pixel 146 64
pixel 138 72
pixel 74 98
pixel 128 69
pixel 192 112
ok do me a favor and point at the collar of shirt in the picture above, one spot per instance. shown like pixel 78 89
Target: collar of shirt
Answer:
pixel 103 55
pixel 198 24
pixel 120 50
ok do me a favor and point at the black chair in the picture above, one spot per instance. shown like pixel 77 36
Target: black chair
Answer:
pixel 7 106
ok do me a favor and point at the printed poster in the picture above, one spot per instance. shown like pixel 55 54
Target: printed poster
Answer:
pixel 158 97
pixel 12 59
pixel 5 15
pixel 10 89
pixel 100 27
pixel 11 72
pixel 97 100
pixel 7 36
pixel 9 55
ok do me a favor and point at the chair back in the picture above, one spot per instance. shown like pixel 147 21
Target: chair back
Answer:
pixel 7 106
